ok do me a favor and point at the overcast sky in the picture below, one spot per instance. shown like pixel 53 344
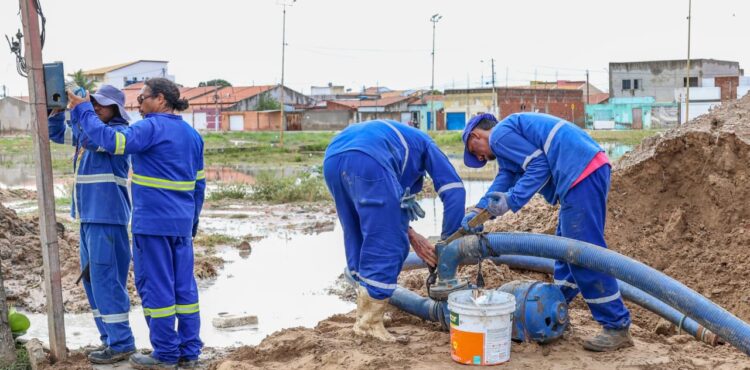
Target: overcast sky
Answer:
pixel 381 42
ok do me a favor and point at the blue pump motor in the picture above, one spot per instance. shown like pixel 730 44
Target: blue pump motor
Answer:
pixel 541 311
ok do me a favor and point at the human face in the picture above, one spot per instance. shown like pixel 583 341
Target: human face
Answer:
pixel 105 113
pixel 479 145
pixel 147 102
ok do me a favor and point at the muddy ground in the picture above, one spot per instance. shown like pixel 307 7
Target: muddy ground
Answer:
pixel 20 248
pixel 679 203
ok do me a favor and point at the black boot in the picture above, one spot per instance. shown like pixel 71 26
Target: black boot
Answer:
pixel 184 363
pixel 108 356
pixel 148 362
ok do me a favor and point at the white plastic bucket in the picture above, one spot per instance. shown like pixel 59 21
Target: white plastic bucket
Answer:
pixel 481 328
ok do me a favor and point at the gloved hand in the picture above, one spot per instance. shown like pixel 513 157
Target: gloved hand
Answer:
pixel 409 203
pixel 465 223
pixel 498 203
pixel 195 228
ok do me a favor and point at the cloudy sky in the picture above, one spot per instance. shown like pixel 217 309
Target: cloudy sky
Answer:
pixel 381 42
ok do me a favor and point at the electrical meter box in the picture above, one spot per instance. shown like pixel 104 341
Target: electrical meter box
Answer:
pixel 54 85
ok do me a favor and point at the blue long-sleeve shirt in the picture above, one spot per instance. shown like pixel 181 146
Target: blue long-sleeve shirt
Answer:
pixel 168 181
pixel 538 153
pixel 408 154
pixel 100 192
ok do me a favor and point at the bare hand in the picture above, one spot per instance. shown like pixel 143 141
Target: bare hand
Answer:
pixel 424 249
pixel 74 100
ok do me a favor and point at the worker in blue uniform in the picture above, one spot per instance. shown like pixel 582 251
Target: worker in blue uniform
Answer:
pixel 540 153
pixel 168 185
pixel 102 205
pixel 373 170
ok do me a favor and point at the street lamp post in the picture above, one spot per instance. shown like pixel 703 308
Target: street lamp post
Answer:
pixel 283 4
pixel 687 79
pixel 494 95
pixel 434 19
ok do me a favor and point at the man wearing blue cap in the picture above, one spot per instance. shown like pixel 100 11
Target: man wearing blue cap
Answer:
pixel 373 170
pixel 102 204
pixel 540 153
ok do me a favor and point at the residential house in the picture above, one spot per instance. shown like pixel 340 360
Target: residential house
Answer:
pixel 125 74
pixel 15 114
pixel 422 110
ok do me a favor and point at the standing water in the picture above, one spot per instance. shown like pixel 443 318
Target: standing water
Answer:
pixel 284 281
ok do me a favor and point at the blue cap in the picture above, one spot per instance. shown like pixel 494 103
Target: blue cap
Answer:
pixel 470 160
pixel 109 95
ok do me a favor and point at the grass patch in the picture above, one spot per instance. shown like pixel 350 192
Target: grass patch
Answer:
pixel 626 137
pixel 212 240
pixel 309 187
pixel 229 191
pixel 22 359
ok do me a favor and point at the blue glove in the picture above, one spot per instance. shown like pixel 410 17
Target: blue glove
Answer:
pixel 498 203
pixel 409 203
pixel 465 223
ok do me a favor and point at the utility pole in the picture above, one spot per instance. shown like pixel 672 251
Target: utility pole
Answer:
pixel 283 50
pixel 687 79
pixel 434 19
pixel 494 95
pixel 45 195
pixel 588 99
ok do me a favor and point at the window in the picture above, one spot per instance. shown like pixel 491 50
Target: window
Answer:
pixel 636 84
pixel 626 84
pixel 693 82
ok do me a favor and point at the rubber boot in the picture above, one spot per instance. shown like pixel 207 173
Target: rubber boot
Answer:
pixel 148 362
pixel 108 356
pixel 369 322
pixel 609 340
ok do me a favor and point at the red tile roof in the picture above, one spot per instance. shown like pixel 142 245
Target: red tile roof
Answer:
pixel 598 98
pixel 202 97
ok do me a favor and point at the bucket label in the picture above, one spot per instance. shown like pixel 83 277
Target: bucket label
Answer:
pixel 454 318
pixel 496 344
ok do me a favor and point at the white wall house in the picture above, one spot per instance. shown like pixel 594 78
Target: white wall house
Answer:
pixel 124 74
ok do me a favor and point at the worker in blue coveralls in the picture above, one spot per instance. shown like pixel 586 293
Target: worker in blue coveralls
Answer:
pixel 102 204
pixel 540 153
pixel 168 185
pixel 373 170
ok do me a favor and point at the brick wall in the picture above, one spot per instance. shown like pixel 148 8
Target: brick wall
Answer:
pixel 566 104
pixel 728 86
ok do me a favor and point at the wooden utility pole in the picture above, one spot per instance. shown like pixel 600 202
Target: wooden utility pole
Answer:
pixel 45 194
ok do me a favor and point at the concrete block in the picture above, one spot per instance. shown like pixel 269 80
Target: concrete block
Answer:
pixel 37 357
pixel 225 321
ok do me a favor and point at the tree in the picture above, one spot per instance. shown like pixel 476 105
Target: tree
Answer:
pixel 215 82
pixel 82 80
pixel 267 102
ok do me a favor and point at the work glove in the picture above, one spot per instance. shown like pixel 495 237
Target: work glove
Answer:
pixel 498 203
pixel 409 203
pixel 195 228
pixel 465 223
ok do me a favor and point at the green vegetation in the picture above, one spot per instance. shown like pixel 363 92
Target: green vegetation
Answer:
pixel 81 80
pixel 22 359
pixel 212 240
pixel 626 137
pixel 215 82
pixel 242 148
pixel 229 191
pixel 266 102
pixel 274 189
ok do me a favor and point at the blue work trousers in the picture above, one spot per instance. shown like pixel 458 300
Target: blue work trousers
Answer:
pixel 169 294
pixel 583 213
pixel 105 249
pixel 368 204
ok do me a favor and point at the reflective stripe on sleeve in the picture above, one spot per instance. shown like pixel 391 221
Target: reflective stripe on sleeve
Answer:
pixel 119 143
pixel 403 142
pixel 68 136
pixel 153 182
pixel 531 156
pixel 566 283
pixel 453 185
pixel 96 313
pixel 551 136
pixel 200 175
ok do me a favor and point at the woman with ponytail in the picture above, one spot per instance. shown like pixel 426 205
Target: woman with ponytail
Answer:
pixel 168 187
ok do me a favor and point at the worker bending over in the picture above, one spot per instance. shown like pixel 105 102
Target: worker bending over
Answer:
pixel 539 153
pixel 102 204
pixel 373 170
pixel 168 190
